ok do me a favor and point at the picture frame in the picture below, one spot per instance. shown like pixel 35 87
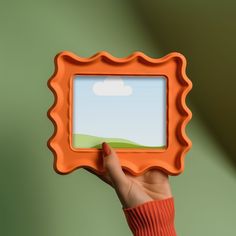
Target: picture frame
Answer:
pixel 172 67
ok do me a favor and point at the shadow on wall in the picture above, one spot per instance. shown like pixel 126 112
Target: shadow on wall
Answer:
pixel 205 32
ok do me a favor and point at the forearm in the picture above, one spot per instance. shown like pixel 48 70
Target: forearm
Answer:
pixel 154 218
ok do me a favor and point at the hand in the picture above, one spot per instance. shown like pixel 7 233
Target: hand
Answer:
pixel 133 190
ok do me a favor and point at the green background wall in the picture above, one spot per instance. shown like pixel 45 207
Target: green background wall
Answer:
pixel 34 199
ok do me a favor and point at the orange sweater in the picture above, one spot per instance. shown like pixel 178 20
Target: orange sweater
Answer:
pixel 154 218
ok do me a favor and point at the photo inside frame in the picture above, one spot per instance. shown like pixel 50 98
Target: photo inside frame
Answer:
pixel 124 111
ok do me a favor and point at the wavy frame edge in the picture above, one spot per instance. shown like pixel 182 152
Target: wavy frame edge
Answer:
pixel 58 63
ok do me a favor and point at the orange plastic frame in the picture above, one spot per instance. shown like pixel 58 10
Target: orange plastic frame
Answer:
pixel 136 161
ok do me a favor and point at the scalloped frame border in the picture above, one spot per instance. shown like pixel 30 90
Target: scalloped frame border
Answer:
pixel 136 161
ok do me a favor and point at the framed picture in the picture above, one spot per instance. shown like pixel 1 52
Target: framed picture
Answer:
pixel 136 104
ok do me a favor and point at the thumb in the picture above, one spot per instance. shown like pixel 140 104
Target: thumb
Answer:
pixel 113 168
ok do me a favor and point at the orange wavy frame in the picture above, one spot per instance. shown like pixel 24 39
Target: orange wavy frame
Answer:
pixel 136 161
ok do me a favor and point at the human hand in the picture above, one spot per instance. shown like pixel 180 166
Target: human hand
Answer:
pixel 133 190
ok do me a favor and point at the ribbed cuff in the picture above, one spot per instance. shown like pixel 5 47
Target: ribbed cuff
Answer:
pixel 154 218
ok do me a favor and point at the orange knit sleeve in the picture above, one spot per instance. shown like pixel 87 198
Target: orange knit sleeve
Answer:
pixel 154 218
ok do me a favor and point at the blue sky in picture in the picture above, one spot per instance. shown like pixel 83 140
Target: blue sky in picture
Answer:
pixel 128 107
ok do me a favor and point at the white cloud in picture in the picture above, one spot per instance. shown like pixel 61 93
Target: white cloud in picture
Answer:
pixel 111 86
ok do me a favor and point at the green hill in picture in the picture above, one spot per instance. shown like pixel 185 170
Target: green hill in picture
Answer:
pixel 89 141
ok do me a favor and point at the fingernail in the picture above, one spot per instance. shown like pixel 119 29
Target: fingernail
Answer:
pixel 106 149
